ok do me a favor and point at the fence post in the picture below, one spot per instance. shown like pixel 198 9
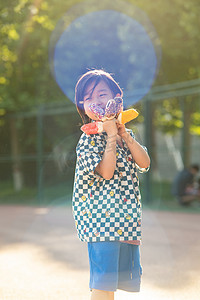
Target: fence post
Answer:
pixel 40 153
pixel 186 140
pixel 147 126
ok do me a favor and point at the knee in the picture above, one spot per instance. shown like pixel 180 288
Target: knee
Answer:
pixel 102 295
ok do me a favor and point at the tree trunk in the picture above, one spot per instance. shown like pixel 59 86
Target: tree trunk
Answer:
pixel 15 152
pixel 186 137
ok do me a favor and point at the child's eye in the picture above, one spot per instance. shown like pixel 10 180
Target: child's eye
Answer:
pixel 87 99
pixel 102 95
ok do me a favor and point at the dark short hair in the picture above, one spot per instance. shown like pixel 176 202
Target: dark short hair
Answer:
pixel 88 78
pixel 195 167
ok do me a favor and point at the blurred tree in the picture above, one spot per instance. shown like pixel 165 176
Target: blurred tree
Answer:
pixel 177 23
pixel 25 28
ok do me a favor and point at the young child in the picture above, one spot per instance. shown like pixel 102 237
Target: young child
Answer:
pixel 106 196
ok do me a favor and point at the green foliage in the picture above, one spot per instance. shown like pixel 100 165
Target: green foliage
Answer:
pixel 195 127
pixel 26 28
pixel 168 116
pixel 25 76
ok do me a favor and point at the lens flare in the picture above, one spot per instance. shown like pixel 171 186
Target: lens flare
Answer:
pixel 118 38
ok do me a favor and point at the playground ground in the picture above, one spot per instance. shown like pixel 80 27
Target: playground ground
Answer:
pixel 41 257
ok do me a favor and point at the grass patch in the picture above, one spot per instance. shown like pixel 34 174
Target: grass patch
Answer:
pixel 8 195
pixel 162 199
pixel 61 195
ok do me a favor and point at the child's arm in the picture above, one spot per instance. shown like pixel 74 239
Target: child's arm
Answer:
pixel 107 165
pixel 138 153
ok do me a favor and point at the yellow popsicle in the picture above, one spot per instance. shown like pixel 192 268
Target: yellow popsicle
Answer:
pixel 127 115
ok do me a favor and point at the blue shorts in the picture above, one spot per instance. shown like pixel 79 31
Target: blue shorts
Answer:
pixel 114 265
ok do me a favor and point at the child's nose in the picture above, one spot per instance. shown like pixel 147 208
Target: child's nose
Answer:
pixel 99 101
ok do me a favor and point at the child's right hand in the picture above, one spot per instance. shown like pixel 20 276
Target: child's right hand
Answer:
pixel 110 127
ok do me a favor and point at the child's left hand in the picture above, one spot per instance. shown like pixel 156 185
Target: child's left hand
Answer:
pixel 121 128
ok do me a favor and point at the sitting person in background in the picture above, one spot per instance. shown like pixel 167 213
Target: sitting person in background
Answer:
pixel 183 186
pixel 194 189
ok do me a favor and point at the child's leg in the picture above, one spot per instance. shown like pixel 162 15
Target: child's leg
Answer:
pixel 102 295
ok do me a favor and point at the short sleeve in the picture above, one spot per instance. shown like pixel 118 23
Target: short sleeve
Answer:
pixel 141 170
pixel 89 153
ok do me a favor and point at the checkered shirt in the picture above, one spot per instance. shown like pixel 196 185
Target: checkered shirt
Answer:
pixel 106 210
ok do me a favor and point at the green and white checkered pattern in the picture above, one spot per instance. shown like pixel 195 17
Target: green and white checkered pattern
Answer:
pixel 105 210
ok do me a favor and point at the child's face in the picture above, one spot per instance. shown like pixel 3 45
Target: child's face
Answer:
pixel 99 96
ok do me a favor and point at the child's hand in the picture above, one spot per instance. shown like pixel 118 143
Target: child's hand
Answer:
pixel 121 128
pixel 110 127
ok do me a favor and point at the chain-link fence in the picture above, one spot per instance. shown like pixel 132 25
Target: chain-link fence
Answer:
pixel 38 151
